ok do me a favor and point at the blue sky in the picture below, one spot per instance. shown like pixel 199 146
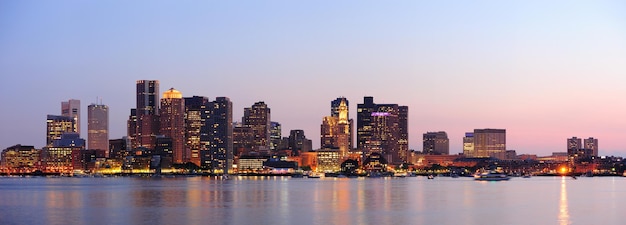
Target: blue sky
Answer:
pixel 545 71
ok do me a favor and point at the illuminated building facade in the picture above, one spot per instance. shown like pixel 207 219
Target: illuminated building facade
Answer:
pixel 172 123
pixel 219 155
pixel 379 130
pixel 119 148
pixel 328 160
pixel 98 127
pixel 336 129
pixel 468 145
pixel 20 159
pixel 490 143
pixel 436 143
pixel 57 157
pixel 56 126
pixel 196 116
pixel 257 117
pixel 71 108
pixel 276 135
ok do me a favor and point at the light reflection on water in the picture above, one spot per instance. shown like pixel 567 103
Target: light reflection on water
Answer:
pixel 563 210
pixel 283 200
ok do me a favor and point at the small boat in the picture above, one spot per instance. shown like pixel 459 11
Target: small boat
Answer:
pixel 491 176
pixel 454 175
pixel 313 175
pixel 526 176
pixel 430 177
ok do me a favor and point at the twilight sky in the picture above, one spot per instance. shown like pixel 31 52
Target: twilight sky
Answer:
pixel 542 70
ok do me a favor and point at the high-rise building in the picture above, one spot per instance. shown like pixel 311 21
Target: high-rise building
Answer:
pixel 258 118
pixel 146 115
pixel 276 135
pixel 592 145
pixel 148 97
pixel 98 127
pixel 490 143
pixel 197 114
pixel 56 126
pixel 132 129
pixel 574 146
pixel 173 123
pixel 383 129
pixel 71 108
pixel 219 155
pixel 336 129
pixel 403 141
pixel 436 143
pixel 298 142
pixel 468 145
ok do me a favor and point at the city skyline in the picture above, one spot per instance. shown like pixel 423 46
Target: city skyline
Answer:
pixel 544 71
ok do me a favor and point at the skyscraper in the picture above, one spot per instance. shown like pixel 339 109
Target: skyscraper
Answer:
pixel 336 129
pixel 436 143
pixel 173 123
pixel 148 97
pixel 146 114
pixel 403 141
pixel 98 127
pixel 71 108
pixel 258 118
pixel 197 114
pixel 383 129
pixel 275 135
pixel 56 126
pixel 219 156
pixel 490 143
pixel 592 145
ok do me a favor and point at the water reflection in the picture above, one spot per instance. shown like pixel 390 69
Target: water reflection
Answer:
pixel 563 208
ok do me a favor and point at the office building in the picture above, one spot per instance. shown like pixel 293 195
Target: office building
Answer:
pixel 276 135
pixel 219 155
pixel 196 115
pixel 143 123
pixel 172 123
pixel 436 143
pixel 98 127
pixel 379 130
pixel 490 143
pixel 20 159
pixel 468 145
pixel 336 129
pixel 258 118
pixel 71 108
pixel 56 126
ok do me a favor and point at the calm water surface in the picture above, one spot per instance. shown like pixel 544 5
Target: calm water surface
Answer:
pixel 282 200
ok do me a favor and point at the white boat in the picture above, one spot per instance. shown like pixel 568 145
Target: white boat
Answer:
pixel 491 176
